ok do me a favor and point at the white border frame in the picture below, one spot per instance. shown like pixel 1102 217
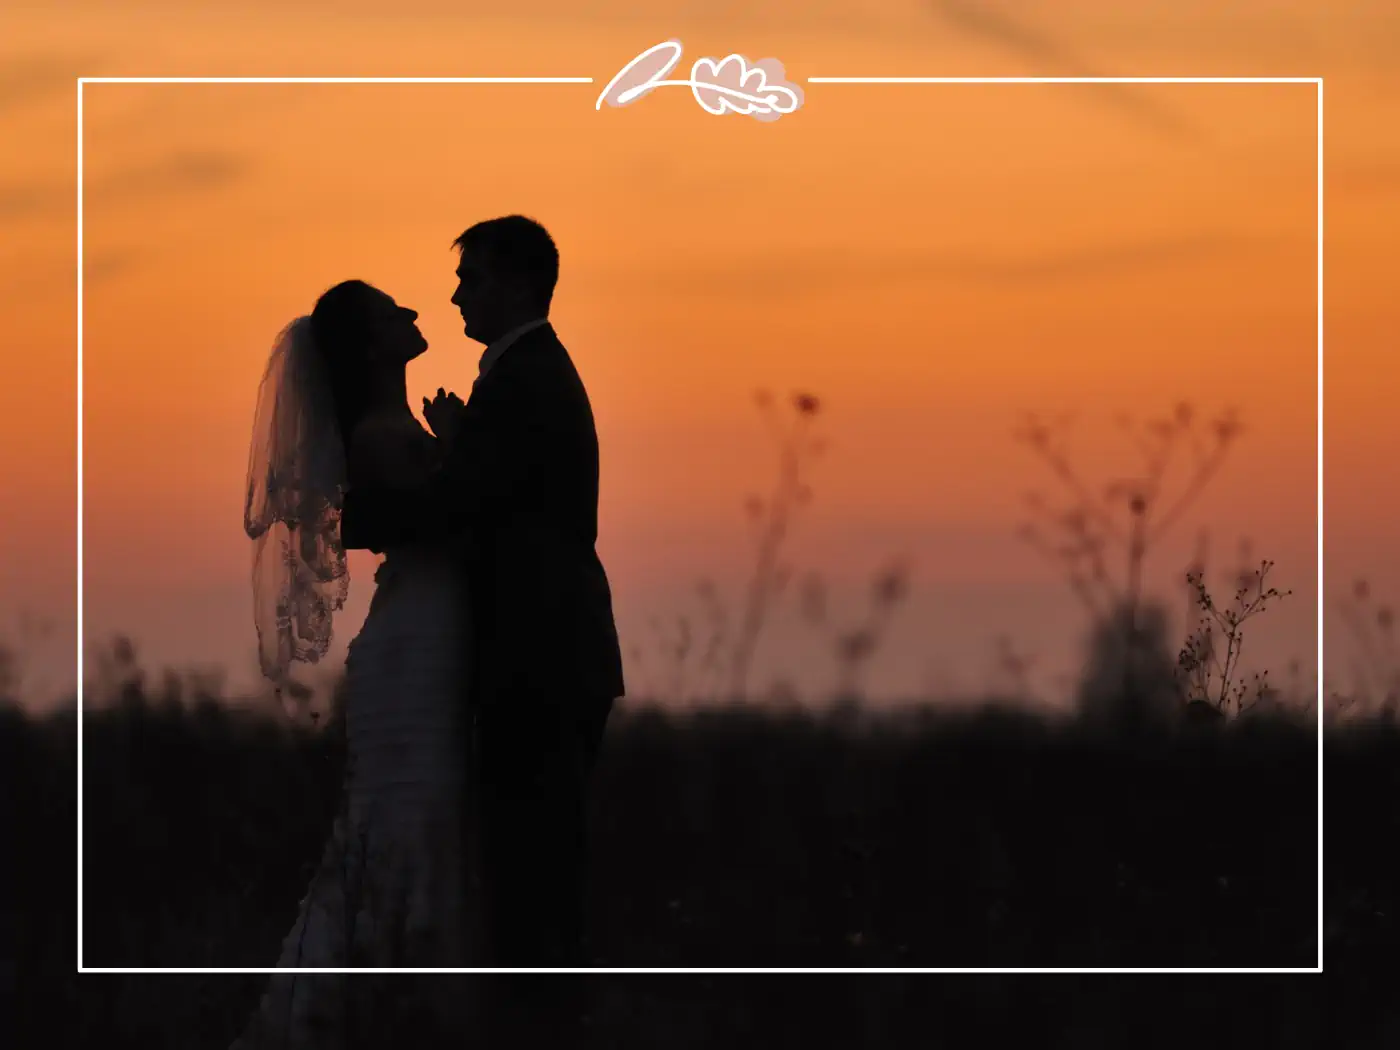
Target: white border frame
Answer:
pixel 1316 81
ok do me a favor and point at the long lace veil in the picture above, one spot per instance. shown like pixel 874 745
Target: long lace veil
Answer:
pixel 296 482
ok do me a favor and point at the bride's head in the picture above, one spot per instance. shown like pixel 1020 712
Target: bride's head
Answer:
pixel 326 373
pixel 365 339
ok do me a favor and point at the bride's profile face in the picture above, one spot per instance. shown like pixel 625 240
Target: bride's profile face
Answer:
pixel 397 337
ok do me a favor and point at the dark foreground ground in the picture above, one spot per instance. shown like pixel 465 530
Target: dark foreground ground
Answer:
pixel 742 839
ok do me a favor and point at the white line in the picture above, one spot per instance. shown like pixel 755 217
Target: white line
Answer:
pixel 1317 81
pixel 1065 80
pixel 335 80
pixel 810 80
pixel 1320 571
pixel 80 526
pixel 706 969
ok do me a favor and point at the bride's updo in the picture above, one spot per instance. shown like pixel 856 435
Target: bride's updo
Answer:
pixel 342 324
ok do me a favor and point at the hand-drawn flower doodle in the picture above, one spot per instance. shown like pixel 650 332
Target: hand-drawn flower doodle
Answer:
pixel 761 91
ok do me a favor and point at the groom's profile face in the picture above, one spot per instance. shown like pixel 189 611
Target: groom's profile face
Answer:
pixel 477 297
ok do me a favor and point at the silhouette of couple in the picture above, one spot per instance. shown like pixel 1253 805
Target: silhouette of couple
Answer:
pixel 477 692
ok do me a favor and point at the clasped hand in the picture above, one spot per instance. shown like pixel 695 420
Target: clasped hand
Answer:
pixel 444 415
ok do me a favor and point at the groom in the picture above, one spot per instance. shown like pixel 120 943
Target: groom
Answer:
pixel 520 492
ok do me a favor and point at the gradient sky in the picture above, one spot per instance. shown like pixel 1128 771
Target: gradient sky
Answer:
pixel 929 260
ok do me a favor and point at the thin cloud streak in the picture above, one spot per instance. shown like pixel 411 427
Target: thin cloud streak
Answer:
pixel 761 278
pixel 24 200
pixel 1379 178
pixel 164 105
pixel 179 173
pixel 176 174
pixel 102 268
pixel 29 80
pixel 979 20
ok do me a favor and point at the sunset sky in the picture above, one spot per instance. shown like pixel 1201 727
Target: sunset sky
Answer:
pixel 929 260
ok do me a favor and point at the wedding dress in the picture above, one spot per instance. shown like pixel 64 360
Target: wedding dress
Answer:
pixel 392 888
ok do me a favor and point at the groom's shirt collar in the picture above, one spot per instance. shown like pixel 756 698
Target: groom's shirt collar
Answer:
pixel 495 350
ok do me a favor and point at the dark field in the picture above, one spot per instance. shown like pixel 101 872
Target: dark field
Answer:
pixel 738 838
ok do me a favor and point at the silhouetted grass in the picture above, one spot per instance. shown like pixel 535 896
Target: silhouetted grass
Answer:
pixel 730 837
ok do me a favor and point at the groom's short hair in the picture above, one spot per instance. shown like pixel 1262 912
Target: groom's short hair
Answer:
pixel 519 249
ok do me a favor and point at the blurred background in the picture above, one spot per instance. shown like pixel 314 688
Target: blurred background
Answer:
pixel 916 406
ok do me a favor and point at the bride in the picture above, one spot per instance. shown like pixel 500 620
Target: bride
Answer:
pixel 391 889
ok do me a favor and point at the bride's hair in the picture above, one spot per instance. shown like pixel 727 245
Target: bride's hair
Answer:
pixel 317 385
pixel 343 327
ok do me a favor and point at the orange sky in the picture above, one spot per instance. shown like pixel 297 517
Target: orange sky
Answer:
pixel 930 260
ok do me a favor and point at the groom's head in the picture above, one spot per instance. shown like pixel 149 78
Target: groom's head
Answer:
pixel 505 277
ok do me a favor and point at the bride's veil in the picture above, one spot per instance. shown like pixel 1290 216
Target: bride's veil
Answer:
pixel 296 481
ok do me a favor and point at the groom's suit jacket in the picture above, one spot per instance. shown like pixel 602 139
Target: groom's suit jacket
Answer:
pixel 519 493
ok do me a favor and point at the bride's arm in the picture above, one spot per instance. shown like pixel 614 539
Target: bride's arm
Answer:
pixel 401 495
pixel 393 455
pixel 445 501
pixel 478 471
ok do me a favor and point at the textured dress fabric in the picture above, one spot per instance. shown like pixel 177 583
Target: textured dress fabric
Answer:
pixel 395 884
